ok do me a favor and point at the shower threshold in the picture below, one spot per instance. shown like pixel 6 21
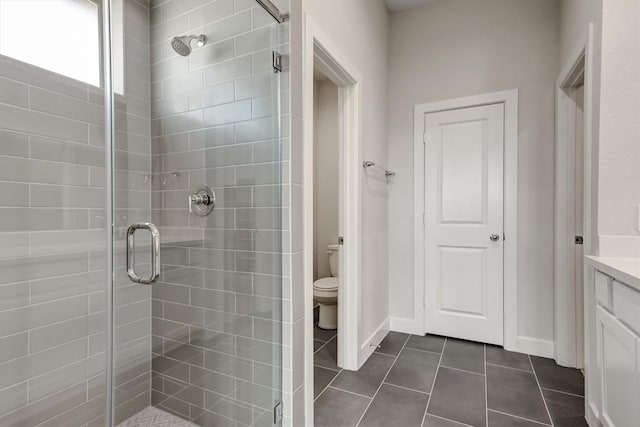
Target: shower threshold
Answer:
pixel 154 417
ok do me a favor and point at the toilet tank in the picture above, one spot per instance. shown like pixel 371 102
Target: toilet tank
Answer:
pixel 332 250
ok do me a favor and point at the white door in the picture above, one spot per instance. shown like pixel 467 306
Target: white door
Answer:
pixel 579 222
pixel 464 152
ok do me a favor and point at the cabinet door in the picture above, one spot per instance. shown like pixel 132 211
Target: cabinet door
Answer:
pixel 618 365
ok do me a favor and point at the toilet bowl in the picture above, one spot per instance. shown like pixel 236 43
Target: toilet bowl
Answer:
pixel 325 292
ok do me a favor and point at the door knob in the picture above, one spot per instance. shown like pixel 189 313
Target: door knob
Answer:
pixel 494 237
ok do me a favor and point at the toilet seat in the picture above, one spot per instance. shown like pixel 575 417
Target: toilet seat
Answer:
pixel 326 284
pixel 326 289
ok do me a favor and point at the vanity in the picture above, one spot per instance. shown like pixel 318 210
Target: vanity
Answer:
pixel 612 341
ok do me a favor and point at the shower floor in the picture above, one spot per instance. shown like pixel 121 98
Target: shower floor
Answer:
pixel 154 417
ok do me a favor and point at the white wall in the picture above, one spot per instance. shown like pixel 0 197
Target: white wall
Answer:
pixel 326 172
pixel 575 16
pixel 455 48
pixel 619 174
pixel 360 29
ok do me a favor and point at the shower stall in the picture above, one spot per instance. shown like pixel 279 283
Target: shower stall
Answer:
pixel 140 213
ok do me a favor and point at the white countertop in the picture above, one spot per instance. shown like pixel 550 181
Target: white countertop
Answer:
pixel 625 270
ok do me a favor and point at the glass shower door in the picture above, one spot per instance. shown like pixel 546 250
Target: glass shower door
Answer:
pixel 197 156
pixel 52 202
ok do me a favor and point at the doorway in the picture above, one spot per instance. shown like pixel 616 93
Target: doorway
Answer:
pixel 573 213
pixel 326 218
pixel 321 56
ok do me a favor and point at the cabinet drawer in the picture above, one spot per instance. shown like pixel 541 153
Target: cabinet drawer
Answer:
pixel 626 305
pixel 603 290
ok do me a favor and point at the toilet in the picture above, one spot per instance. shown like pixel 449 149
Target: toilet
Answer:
pixel 325 292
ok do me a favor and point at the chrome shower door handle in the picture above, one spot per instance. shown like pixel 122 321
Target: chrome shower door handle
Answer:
pixel 155 253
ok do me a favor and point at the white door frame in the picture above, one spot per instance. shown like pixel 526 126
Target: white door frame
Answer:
pixel 319 50
pixel 510 100
pixel 569 346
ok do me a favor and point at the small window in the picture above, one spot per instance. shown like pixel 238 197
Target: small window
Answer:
pixel 59 35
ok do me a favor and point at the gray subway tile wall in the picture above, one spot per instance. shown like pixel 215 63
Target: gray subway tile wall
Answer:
pixel 215 319
pixel 217 311
pixel 45 367
pixel 52 240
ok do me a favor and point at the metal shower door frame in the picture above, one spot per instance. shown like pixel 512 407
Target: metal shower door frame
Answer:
pixel 109 138
pixel 272 10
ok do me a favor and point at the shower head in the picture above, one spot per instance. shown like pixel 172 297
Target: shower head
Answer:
pixel 182 44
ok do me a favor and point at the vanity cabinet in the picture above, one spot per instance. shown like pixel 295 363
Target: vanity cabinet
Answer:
pixel 614 391
pixel 617 361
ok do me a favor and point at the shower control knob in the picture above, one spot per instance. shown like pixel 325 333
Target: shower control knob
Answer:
pixel 203 201
pixel 494 237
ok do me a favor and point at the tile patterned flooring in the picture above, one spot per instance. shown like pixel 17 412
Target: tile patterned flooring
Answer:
pixel 414 381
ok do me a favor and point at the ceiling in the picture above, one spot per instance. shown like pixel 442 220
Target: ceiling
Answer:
pixel 405 4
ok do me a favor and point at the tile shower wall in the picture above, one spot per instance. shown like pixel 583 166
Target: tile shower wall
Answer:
pixel 52 239
pixel 217 309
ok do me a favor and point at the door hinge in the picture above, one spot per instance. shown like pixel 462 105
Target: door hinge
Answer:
pixel 579 240
pixel 341 240
pixel 424 138
pixel 277 413
pixel 277 61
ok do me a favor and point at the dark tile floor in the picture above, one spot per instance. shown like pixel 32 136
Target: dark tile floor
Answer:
pixel 413 381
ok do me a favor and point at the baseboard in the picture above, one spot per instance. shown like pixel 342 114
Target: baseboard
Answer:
pixel 592 416
pixel 370 344
pixel 399 324
pixel 619 246
pixel 536 347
